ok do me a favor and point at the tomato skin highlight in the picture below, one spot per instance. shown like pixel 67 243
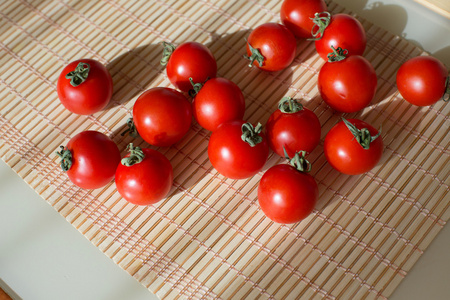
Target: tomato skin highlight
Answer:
pixel 299 131
pixel 346 155
pixel 286 195
pixel 89 97
pixel 348 85
pixel 343 31
pixel 296 15
pixel 276 44
pixel 231 156
pixel 162 116
pixel 190 60
pixel 421 80
pixel 219 100
pixel 147 182
pixel 94 159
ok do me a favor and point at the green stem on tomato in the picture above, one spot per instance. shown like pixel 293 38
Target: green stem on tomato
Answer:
pixel 289 105
pixel 167 52
pixel 298 161
pixel 132 131
pixel 79 75
pixel 256 56
pixel 446 96
pixel 321 22
pixel 251 135
pixel 362 136
pixel 196 87
pixel 66 158
pixel 136 156
pixel 337 54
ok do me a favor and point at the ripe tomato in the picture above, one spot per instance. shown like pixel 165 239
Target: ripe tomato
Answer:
pixel 292 127
pixel 353 147
pixel 188 60
pixel 271 47
pixel 343 31
pixel 422 80
pixel 347 85
pixel 162 116
pixel 297 15
pixel 85 86
pixel 90 159
pixel 233 157
pixel 218 101
pixel 287 194
pixel 144 177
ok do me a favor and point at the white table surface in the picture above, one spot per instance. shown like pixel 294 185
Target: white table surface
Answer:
pixel 35 241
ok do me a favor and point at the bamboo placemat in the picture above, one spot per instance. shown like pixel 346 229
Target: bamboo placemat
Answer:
pixel 209 239
pixel 440 6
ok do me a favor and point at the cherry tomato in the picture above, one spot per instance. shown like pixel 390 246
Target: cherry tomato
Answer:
pixel 353 147
pixel 162 116
pixel 271 47
pixel 90 159
pixel 347 85
pixel 343 31
pixel 422 80
pixel 296 15
pixel 85 86
pixel 287 195
pixel 292 127
pixel 233 157
pixel 188 60
pixel 218 101
pixel 144 177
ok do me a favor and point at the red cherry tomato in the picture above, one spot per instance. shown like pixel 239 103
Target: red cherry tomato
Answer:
pixel 85 86
pixel 287 195
pixel 422 80
pixel 347 85
pixel 188 60
pixel 271 47
pixel 90 159
pixel 233 157
pixel 292 127
pixel 162 116
pixel 144 177
pixel 343 31
pixel 346 154
pixel 218 101
pixel 296 15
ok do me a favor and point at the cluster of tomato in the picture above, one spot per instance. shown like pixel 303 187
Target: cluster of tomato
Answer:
pixel 237 149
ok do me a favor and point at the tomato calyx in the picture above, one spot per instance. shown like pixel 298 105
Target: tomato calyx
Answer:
pixel 136 156
pixel 167 52
pixel 79 75
pixel 321 22
pixel 66 158
pixel 132 131
pixel 250 134
pixel 446 96
pixel 362 136
pixel 337 54
pixel 256 56
pixel 196 87
pixel 289 105
pixel 299 161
